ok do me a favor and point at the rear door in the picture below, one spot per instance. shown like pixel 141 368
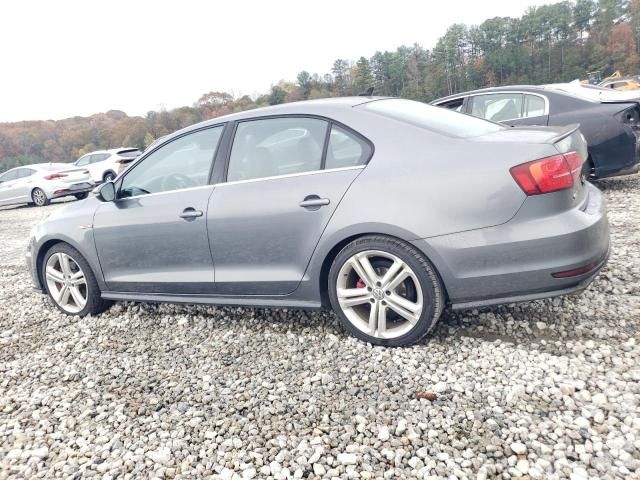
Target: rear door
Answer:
pixel 285 178
pixel 153 237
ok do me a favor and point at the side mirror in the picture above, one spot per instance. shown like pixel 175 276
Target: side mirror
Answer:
pixel 106 192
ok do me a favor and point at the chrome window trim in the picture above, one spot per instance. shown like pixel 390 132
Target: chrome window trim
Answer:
pixel 290 175
pixel 155 194
pixel 237 182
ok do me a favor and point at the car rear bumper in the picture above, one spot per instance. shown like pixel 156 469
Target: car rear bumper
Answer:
pixel 63 189
pixel 517 261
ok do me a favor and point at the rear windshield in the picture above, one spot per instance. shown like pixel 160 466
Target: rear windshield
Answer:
pixel 438 119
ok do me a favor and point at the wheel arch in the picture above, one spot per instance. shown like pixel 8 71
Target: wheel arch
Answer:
pixel 339 245
pixel 44 248
pixel 33 189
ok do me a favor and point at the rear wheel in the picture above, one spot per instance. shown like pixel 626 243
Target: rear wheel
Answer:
pixel 385 291
pixel 70 283
pixel 81 196
pixel 39 197
pixel 109 177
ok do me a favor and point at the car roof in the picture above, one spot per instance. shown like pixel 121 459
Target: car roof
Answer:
pixel 322 107
pixel 36 166
pixel 546 89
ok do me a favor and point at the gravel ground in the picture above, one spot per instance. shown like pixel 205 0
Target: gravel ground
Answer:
pixel 547 389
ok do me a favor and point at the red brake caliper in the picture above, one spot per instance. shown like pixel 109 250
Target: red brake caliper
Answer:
pixel 360 283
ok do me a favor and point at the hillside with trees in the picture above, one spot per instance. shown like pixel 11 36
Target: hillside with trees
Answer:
pixel 551 43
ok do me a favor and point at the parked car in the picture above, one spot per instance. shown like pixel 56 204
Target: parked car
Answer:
pixel 384 209
pixel 38 184
pixel 105 165
pixel 597 93
pixel 611 129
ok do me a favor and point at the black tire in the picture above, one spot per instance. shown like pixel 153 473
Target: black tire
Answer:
pixel 95 303
pixel 81 196
pixel 108 177
pixel 429 282
pixel 39 197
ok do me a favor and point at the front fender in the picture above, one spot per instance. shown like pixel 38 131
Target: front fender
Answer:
pixel 72 225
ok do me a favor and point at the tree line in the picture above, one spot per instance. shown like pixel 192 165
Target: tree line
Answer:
pixel 550 43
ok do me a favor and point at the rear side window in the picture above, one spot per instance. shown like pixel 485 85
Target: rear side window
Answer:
pixel 534 106
pixel 345 149
pixel 25 172
pixel 432 118
pixel 276 146
pixel 455 105
pixel 99 157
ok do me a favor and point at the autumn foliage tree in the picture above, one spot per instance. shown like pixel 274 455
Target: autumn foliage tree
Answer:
pixel 548 43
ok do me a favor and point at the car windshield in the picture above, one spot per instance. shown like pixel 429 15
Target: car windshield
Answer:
pixel 437 119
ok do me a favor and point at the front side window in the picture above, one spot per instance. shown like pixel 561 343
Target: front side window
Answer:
pixel 276 146
pixel 455 105
pixel 83 161
pixel 182 163
pixel 11 175
pixel 25 172
pixel 345 149
pixel 497 107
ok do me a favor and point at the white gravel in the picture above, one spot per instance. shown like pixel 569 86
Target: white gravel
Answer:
pixel 547 389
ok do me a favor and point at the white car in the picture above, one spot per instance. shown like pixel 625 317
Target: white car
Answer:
pixel 40 183
pixel 596 93
pixel 105 165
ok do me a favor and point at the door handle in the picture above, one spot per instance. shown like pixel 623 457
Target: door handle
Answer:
pixel 190 213
pixel 312 201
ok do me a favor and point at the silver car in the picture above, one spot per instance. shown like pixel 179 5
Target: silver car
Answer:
pixel 38 184
pixel 386 210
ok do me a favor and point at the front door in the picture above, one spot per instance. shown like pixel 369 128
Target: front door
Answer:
pixel 153 237
pixel 14 186
pixel 282 188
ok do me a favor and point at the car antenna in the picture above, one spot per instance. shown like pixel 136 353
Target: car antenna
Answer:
pixel 367 93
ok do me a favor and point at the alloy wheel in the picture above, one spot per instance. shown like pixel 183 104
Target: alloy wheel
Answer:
pixel 39 197
pixel 66 282
pixel 379 294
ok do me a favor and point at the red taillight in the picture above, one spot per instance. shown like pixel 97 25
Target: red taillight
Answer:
pixel 54 176
pixel 548 174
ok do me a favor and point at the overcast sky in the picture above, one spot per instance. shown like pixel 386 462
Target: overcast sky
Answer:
pixel 64 58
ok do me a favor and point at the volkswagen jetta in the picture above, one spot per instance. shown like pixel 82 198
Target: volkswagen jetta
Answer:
pixel 387 210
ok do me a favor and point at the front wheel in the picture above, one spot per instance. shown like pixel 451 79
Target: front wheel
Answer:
pixel 70 283
pixel 39 197
pixel 385 291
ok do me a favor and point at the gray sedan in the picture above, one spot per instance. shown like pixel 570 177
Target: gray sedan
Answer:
pixel 386 210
